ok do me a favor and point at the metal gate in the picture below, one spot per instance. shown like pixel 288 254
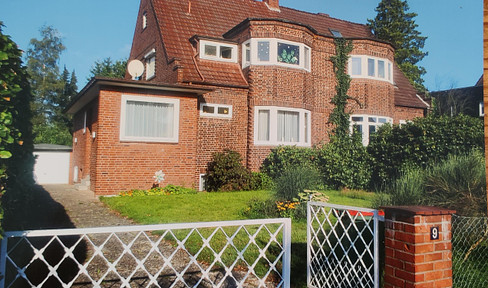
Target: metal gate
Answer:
pixel 343 246
pixel 245 253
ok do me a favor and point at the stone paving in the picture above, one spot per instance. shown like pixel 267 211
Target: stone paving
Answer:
pixel 83 208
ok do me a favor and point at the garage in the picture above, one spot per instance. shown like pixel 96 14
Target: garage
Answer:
pixel 52 163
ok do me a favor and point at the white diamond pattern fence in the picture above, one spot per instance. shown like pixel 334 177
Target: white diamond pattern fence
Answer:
pixel 343 248
pixel 247 253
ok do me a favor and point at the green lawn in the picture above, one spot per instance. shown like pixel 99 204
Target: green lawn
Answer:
pixel 219 206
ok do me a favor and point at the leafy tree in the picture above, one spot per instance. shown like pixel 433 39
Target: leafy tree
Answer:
pixel 108 68
pixel 16 159
pixel 52 90
pixel 393 23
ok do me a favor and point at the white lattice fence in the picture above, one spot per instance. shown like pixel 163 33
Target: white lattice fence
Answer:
pixel 249 253
pixel 342 247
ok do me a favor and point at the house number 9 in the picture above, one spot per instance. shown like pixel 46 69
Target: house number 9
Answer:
pixel 434 233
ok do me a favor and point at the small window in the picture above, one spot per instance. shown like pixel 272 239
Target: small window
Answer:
pixel 149 119
pixel 336 33
pixel 482 109
pixel 356 66
pixel 215 110
pixel 367 125
pixel 218 51
pixel 289 54
pixel 84 122
pixel 371 69
pixel 150 67
pixel 263 51
pixel 144 20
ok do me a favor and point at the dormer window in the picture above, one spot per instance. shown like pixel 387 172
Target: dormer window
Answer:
pixel 212 50
pixel 270 51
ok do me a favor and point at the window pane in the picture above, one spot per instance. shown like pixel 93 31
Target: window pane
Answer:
pixel 263 51
pixel 223 111
pixel 226 52
pixel 288 123
pixel 208 109
pixel 357 119
pixel 372 129
pixel 210 50
pixel 248 52
pixel 372 119
pixel 263 125
pixel 146 119
pixel 288 53
pixel 381 69
pixel 306 58
pixel 382 120
pixel 150 67
pixel 371 67
pixel 306 128
pixel 389 71
pixel 356 66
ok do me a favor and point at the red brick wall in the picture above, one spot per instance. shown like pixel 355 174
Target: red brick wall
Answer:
pixel 217 134
pixel 407 113
pixel 120 166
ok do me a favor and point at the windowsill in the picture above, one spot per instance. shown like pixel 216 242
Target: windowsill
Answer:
pixel 141 141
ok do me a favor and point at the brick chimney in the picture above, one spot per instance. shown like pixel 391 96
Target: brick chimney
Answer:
pixel 273 4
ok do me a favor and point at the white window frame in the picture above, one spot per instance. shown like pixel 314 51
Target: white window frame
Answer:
pixel 482 108
pixel 304 120
pixel 218 46
pixel 387 66
pixel 216 107
pixel 304 63
pixel 176 119
pixel 144 20
pixel 365 125
pixel 150 59
pixel 84 122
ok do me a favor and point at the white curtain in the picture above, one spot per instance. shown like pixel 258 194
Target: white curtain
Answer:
pixel 263 125
pixel 145 119
pixel 288 123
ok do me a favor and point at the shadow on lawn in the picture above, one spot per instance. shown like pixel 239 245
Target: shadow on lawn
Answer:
pixel 36 211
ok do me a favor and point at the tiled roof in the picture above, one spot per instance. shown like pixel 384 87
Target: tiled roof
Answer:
pixel 180 21
pixel 405 93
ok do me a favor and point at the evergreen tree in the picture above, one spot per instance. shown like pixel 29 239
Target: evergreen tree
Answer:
pixel 52 90
pixel 394 24
pixel 108 68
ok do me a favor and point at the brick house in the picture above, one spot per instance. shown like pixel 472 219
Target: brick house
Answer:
pixel 248 76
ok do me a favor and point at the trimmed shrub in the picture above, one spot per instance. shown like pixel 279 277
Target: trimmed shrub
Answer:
pixel 226 173
pixel 345 163
pixel 295 180
pixel 285 157
pixel 261 181
pixel 420 143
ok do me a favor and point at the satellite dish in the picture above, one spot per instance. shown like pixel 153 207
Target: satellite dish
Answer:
pixel 135 69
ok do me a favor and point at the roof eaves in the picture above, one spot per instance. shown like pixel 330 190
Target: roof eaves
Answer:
pixel 90 91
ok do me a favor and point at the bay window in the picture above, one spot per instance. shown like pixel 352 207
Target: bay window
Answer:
pixel 271 51
pixel 281 126
pixel 362 66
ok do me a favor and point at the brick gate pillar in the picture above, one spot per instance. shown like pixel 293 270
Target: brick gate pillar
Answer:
pixel 417 247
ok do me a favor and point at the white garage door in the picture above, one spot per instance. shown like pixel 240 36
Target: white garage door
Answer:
pixel 52 167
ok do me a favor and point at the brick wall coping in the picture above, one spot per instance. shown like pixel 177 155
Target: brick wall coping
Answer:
pixel 416 210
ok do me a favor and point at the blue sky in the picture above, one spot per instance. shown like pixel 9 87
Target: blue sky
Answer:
pixel 95 29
